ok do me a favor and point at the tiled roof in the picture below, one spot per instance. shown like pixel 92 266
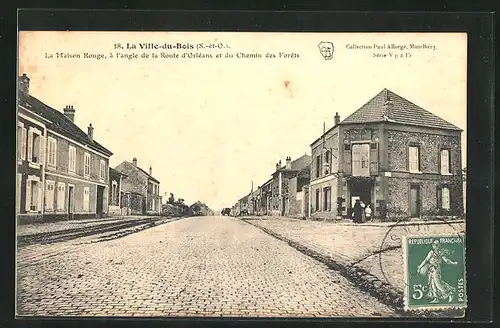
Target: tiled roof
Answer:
pixel 301 162
pixel 113 172
pixel 138 168
pixel 404 112
pixel 298 164
pixel 59 123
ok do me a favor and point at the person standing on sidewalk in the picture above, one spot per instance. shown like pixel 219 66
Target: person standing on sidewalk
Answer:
pixel 363 217
pixel 368 212
pixel 357 211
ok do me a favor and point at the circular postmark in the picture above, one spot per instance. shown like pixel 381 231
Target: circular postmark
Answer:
pixel 390 257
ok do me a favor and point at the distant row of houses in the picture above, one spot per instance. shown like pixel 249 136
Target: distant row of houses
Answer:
pixel 64 173
pixel 391 154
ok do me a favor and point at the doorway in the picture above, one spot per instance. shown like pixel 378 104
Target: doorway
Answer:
pixel 71 191
pixel 360 189
pixel 415 201
pixel 283 205
pixel 100 201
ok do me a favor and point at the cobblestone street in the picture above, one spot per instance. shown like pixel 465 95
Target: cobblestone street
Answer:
pixel 198 266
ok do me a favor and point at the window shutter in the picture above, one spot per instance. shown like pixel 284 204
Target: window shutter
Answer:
pixel 439 197
pixel 30 145
pixel 18 194
pixel 449 163
pixel 446 198
pixel 39 207
pixel 104 202
pixel 347 161
pixel 373 159
pixel 28 195
pixel 42 150
pixel 23 144
pixel 440 161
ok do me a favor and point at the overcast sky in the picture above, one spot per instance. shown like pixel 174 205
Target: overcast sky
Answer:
pixel 208 127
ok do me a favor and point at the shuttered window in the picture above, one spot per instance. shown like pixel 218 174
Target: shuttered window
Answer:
pixel 414 159
pixel 445 198
pixel 102 170
pixel 35 146
pixel 86 199
pixel 61 196
pixel 72 159
pixel 51 151
pixel 24 144
pixel 33 194
pixel 318 166
pixel 49 195
pixel 445 161
pixel 361 159
pixel 86 165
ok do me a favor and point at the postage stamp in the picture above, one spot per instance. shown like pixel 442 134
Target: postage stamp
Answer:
pixel 434 272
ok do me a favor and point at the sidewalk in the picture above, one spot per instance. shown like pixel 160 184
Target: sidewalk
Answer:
pixel 50 227
pixel 369 252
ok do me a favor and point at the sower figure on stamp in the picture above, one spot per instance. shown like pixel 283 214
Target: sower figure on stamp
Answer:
pixel 431 266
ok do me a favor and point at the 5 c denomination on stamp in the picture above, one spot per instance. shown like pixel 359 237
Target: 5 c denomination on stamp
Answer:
pixel 434 272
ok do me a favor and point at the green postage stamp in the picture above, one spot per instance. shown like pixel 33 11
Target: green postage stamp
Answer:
pixel 434 272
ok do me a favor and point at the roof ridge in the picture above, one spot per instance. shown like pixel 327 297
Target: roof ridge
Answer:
pixel 423 109
pixel 366 103
pixel 404 112
pixel 59 115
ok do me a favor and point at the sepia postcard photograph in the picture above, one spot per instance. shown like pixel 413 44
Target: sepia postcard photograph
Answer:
pixel 241 174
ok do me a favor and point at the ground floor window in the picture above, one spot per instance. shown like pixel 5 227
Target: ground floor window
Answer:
pixel 49 195
pixel 86 199
pixel 444 198
pixel 317 199
pixel 61 196
pixel 326 200
pixel 33 194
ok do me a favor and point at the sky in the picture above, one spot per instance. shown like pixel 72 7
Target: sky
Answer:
pixel 208 127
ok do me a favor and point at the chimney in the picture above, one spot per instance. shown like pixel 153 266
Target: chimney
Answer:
pixel 69 112
pixel 134 161
pixel 337 118
pixel 150 170
pixel 24 83
pixel 388 108
pixel 277 166
pixel 90 132
pixel 289 162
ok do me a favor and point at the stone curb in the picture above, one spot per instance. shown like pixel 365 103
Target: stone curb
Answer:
pixel 366 281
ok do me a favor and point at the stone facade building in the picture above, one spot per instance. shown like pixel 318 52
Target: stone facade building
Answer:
pixel 141 191
pixel 392 154
pixel 280 186
pixel 265 197
pixel 62 170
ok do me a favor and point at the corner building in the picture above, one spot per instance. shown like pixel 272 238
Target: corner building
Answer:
pixel 402 160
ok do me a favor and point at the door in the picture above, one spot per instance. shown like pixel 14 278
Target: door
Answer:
pixel 100 200
pixel 70 201
pixel 415 201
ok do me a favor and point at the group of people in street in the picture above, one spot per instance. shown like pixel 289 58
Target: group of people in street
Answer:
pixel 361 212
